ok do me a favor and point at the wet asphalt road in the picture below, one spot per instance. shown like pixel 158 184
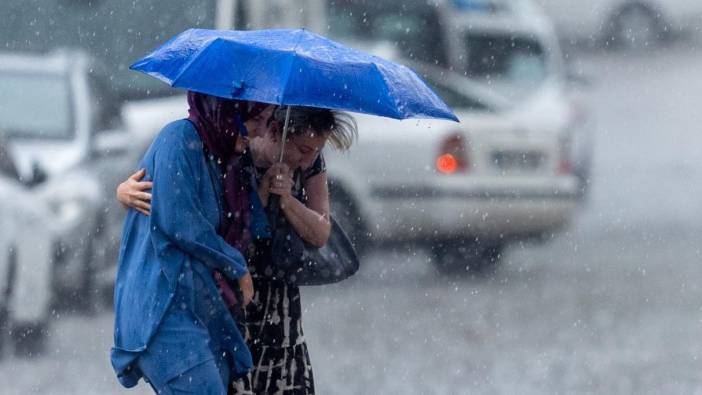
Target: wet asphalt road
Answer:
pixel 611 306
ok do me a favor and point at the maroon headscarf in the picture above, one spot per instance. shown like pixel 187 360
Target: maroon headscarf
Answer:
pixel 216 122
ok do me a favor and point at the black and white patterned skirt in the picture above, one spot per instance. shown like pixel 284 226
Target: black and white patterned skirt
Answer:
pixel 274 336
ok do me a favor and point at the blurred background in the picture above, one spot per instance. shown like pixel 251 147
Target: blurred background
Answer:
pixel 549 243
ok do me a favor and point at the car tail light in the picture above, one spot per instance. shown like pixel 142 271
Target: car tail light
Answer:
pixel 565 160
pixel 453 155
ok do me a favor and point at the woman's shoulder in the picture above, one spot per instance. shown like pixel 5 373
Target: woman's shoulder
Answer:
pixel 180 134
pixel 182 130
pixel 318 167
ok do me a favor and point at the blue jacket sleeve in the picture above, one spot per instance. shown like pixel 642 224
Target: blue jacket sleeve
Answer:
pixel 176 211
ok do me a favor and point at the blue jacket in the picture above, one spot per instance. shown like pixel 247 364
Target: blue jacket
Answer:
pixel 163 252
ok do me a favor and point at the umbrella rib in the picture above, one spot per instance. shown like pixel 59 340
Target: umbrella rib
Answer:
pixel 287 77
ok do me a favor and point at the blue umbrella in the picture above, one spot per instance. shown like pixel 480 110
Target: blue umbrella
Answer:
pixel 293 68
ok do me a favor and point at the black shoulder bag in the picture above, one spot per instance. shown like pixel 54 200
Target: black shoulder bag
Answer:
pixel 299 263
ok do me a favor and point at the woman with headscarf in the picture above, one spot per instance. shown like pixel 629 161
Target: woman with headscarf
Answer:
pixel 172 327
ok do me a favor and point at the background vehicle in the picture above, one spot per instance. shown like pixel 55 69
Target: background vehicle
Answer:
pixel 464 190
pixel 25 263
pixel 63 131
pixel 624 23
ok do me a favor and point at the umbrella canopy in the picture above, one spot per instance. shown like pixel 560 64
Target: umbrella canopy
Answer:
pixel 294 68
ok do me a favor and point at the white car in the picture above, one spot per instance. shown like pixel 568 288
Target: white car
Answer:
pixel 628 23
pixel 464 190
pixel 26 266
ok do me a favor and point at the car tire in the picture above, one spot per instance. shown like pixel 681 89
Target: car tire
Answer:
pixel 636 27
pixel 88 297
pixel 103 278
pixel 3 332
pixel 4 327
pixel 29 339
pixel 6 291
pixel 467 257
pixel 344 211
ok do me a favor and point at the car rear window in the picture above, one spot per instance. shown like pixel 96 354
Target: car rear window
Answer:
pixel 513 66
pixel 414 26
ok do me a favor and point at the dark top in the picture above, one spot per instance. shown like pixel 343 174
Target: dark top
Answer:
pixel 273 319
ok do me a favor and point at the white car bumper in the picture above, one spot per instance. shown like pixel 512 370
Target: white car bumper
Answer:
pixel 456 210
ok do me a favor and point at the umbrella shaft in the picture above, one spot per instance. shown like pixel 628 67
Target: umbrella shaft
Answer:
pixel 285 134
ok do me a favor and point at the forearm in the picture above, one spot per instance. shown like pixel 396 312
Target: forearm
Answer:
pixel 312 226
pixel 215 254
pixel 187 229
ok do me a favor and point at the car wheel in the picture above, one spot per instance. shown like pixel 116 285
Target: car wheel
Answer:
pixel 466 257
pixel 88 297
pixel 29 339
pixel 6 291
pixel 3 332
pixel 636 27
pixel 4 327
pixel 344 211
pixel 104 269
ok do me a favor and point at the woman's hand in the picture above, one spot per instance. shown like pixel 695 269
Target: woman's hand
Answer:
pixel 247 288
pixel 131 193
pixel 277 180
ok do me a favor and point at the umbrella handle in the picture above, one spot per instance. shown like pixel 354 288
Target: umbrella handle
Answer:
pixel 273 211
